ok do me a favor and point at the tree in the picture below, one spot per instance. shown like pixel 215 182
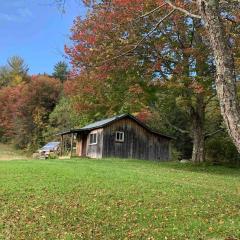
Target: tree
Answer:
pixel 9 98
pixel 14 73
pixel 175 56
pixel 65 116
pixel 39 98
pixel 98 96
pixel 211 12
pixel 25 110
pixel 226 76
pixel 17 70
pixel 4 76
pixel 61 71
pixel 124 13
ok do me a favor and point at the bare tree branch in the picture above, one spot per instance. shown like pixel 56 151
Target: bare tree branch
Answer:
pixel 210 99
pixel 177 128
pixel 152 11
pixel 182 10
pixel 150 32
pixel 61 5
pixel 213 133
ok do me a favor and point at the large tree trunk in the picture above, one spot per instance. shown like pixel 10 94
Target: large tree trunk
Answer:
pixel 198 153
pixel 225 79
pixel 198 118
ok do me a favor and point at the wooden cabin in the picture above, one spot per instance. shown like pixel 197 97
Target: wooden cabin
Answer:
pixel 122 136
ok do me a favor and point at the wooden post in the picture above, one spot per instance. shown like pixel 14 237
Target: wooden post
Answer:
pixel 61 150
pixel 71 151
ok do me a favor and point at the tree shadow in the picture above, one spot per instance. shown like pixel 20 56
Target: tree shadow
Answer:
pixel 227 170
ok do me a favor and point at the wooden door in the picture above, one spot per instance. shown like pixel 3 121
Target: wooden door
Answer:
pixel 84 146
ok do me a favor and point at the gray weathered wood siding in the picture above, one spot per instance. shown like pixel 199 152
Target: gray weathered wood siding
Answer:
pixel 95 150
pixel 138 143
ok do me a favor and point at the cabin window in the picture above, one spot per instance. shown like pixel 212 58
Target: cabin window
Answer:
pixel 119 137
pixel 93 138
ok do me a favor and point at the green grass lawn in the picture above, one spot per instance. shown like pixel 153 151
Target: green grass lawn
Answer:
pixel 117 199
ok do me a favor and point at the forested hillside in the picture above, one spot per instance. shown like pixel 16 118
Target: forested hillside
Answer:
pixel 154 59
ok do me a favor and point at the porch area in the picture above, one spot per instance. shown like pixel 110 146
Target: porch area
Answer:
pixel 73 143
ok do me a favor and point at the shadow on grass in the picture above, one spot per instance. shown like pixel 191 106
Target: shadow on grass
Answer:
pixel 227 170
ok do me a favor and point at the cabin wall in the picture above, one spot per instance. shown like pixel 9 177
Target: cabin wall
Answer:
pixel 95 150
pixel 138 143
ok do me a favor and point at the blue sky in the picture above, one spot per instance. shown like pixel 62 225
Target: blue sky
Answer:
pixel 36 30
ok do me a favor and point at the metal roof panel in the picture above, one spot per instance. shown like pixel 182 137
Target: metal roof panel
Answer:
pixel 103 122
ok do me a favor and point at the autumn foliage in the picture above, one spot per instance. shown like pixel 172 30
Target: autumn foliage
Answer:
pixel 126 56
pixel 127 42
pixel 25 109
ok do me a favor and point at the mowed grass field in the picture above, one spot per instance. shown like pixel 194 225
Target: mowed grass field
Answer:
pixel 117 199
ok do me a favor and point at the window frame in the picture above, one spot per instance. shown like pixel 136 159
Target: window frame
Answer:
pixel 95 142
pixel 121 133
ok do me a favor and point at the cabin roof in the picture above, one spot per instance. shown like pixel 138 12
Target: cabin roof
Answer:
pixel 103 122
pixel 108 121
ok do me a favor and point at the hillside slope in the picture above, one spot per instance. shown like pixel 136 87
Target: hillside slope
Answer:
pixel 7 152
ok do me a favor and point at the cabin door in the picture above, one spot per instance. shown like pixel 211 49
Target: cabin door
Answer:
pixel 84 146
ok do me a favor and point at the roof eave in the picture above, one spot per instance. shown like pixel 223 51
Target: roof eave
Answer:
pixel 72 131
pixel 109 123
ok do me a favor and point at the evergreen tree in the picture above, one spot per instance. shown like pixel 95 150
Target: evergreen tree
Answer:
pixel 18 70
pixel 14 73
pixel 61 71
